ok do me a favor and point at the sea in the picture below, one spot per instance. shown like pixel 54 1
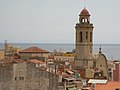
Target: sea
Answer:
pixel 111 51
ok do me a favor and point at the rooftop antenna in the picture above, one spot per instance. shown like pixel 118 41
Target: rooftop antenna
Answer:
pixel 84 3
pixel 5 49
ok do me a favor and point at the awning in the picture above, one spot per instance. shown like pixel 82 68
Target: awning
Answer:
pixel 97 81
pixel 70 78
pixel 70 72
pixel 73 88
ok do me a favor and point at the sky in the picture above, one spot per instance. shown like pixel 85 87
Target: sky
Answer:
pixel 53 21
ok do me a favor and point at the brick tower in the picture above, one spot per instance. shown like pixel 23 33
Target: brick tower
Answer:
pixel 84 40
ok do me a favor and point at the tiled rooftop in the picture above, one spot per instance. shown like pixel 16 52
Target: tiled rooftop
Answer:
pixel 36 61
pixel 33 50
pixel 9 61
pixel 110 85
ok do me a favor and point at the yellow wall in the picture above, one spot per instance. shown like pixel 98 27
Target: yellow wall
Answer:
pixel 1 54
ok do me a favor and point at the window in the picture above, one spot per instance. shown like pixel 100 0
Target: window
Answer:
pixel 109 69
pixel 90 36
pixel 21 78
pixel 90 50
pixel 86 20
pixel 37 65
pixel 117 89
pixel 80 36
pixel 82 20
pixel 100 65
pixel 86 35
pixel 15 78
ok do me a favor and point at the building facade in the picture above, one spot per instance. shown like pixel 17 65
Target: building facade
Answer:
pixel 34 53
pixel 114 70
pixel 26 75
pixel 2 54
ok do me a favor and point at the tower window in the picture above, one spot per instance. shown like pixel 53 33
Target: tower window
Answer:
pixel 80 36
pixel 82 20
pixel 90 51
pixel 86 20
pixel 90 36
pixel 86 35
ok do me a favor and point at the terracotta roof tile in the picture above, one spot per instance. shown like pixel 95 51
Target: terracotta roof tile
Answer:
pixel 33 50
pixel 36 61
pixel 84 12
pixel 111 85
pixel 9 61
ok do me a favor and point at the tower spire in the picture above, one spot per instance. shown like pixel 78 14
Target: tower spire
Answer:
pixel 5 45
pixel 100 50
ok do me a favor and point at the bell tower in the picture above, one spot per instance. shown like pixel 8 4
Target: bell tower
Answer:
pixel 84 40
